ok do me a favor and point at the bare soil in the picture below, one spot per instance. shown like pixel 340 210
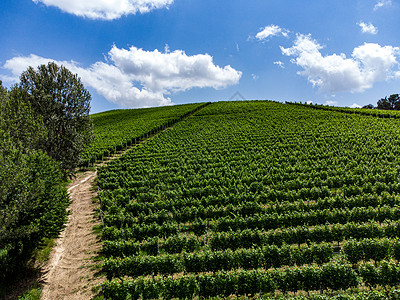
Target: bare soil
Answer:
pixel 70 272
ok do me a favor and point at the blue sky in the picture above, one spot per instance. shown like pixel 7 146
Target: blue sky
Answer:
pixel 132 53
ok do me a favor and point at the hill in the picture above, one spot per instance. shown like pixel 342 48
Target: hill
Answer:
pixel 117 129
pixel 255 198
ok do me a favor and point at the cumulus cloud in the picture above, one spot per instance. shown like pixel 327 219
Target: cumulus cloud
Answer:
pixel 368 28
pixel 369 63
pixel 382 3
pixel 172 71
pixel 138 78
pixel 331 103
pixel 105 9
pixel 271 30
pixel 19 64
pixel 355 105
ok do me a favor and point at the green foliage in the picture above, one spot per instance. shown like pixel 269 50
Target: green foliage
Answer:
pixel 367 249
pixel 391 103
pixel 368 106
pixel 358 294
pixel 33 204
pixel 238 282
pixel 34 294
pixel 206 260
pixel 59 98
pixel 33 198
pixel 42 254
pixel 385 110
pixel 387 273
pixel 3 94
pixel 116 129
pixel 20 122
pixel 245 198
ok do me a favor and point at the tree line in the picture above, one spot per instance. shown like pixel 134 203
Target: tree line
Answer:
pixel 391 103
pixel 44 126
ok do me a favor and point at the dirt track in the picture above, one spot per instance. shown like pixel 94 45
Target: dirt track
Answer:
pixel 69 273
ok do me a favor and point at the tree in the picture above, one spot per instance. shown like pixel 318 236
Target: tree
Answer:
pixel 368 106
pixel 3 93
pixel 33 197
pixel 60 99
pixel 391 103
pixel 18 120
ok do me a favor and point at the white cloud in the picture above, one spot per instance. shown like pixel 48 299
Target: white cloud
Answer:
pixel 368 28
pixel 331 103
pixel 139 78
pixel 271 30
pixel 173 71
pixel 382 3
pixel 355 105
pixel 280 64
pixel 254 76
pixel 19 64
pixel 309 102
pixel 106 9
pixel 369 63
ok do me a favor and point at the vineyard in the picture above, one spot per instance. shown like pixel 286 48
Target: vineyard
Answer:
pixel 117 129
pixel 381 113
pixel 255 198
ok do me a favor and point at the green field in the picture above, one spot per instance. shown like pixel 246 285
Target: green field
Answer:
pixel 116 129
pixel 381 113
pixel 253 199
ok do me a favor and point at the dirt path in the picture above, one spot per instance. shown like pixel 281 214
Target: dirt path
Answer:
pixel 69 273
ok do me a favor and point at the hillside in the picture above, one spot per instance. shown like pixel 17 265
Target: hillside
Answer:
pixel 251 198
pixel 117 129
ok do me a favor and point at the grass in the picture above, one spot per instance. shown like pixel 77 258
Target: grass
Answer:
pixel 43 253
pixel 33 294
pixel 84 169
